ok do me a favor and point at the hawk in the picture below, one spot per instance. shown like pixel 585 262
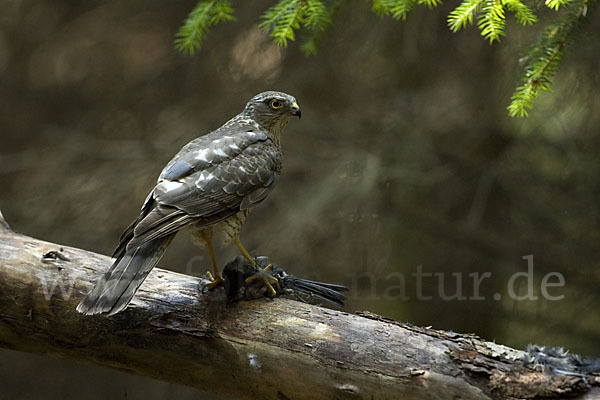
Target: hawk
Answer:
pixel 208 188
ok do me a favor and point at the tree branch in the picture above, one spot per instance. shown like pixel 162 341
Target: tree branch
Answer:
pixel 268 349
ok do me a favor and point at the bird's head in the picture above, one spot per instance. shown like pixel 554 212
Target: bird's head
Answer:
pixel 272 110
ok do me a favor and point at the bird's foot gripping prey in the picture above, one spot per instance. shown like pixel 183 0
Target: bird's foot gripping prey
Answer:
pixel 208 188
pixel 268 278
pixel 238 286
pixel 263 274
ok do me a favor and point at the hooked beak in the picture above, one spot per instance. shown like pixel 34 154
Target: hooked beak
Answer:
pixel 296 110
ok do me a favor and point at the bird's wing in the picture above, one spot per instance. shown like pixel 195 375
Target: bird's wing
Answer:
pixel 210 179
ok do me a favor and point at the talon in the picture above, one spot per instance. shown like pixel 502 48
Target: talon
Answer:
pixel 214 282
pixel 271 288
pixel 261 273
pixel 266 278
pixel 272 278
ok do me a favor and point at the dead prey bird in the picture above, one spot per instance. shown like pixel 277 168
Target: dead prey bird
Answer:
pixel 243 282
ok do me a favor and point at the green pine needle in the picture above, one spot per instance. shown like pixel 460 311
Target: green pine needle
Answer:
pixel 382 7
pixel 399 9
pixel 197 24
pixel 491 21
pixel 463 14
pixel 282 19
pixel 543 59
pixel 402 7
pixel 555 4
pixel 523 14
pixel 288 16
pixel 316 15
pixel 430 3
pixel 222 12
pixel 309 46
pixel 491 16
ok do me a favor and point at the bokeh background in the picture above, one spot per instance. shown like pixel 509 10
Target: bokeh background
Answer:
pixel 404 157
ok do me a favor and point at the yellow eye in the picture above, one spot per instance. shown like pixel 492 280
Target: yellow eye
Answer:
pixel 276 104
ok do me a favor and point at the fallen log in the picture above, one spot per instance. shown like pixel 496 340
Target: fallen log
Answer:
pixel 263 349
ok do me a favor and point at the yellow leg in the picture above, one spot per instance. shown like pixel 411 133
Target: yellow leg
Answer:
pixel 211 254
pixel 267 279
pixel 245 252
pixel 206 236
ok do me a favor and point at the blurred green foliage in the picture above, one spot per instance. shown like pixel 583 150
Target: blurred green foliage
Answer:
pixel 196 26
pixel 403 157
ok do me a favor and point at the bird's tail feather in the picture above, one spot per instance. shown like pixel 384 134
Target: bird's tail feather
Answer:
pixel 325 291
pixel 115 289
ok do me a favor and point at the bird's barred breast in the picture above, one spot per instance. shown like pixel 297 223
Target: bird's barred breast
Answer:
pixel 229 228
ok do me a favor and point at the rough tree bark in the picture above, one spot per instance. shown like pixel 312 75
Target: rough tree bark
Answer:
pixel 265 349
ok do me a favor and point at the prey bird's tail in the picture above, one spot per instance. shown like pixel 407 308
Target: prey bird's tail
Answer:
pixel 115 289
pixel 325 291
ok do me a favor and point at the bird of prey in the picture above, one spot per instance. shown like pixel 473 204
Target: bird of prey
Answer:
pixel 208 188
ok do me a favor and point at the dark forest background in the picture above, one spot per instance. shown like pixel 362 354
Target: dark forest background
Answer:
pixel 404 157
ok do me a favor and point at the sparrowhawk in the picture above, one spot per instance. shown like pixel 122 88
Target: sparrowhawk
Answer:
pixel 209 187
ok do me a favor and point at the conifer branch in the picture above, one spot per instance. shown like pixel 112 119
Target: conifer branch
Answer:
pixel 463 14
pixel 198 23
pixel 523 14
pixel 318 20
pixel 285 18
pixel 492 20
pixel 543 59
pixel 555 4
